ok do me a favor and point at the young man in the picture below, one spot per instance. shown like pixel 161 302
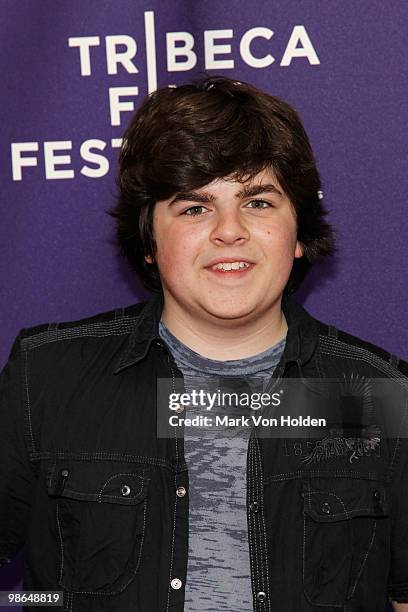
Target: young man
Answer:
pixel 220 214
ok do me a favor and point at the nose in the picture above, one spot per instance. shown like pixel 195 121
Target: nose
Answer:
pixel 229 227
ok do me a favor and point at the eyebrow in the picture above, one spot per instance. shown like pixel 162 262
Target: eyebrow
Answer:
pixel 205 197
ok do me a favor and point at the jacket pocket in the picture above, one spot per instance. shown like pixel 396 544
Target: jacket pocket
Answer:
pixel 100 515
pixel 345 527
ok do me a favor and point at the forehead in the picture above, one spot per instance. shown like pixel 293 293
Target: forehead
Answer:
pixel 264 177
pixel 234 185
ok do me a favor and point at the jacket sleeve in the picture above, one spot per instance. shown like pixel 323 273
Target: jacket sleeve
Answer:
pixel 398 578
pixel 17 476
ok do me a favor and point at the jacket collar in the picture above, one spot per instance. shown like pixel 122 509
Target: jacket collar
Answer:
pixel 300 342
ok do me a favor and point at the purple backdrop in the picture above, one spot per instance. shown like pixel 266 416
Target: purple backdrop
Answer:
pixel 343 66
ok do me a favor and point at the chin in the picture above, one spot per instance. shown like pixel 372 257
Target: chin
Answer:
pixel 232 313
pixel 242 311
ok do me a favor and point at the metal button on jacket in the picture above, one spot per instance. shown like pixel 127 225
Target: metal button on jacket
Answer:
pixel 178 407
pixel 125 490
pixel 181 491
pixel 261 596
pixel 176 583
pixel 326 508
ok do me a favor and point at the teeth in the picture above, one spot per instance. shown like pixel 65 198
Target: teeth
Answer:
pixel 236 265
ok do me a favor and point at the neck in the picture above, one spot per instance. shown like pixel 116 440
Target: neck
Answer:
pixel 223 339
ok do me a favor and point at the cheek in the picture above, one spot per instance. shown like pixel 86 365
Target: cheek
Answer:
pixel 176 248
pixel 170 256
pixel 280 238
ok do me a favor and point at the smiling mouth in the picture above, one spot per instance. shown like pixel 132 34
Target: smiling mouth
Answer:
pixel 229 266
pixel 231 270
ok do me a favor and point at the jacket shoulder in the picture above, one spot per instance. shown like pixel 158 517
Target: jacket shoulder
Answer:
pixel 335 341
pixel 118 321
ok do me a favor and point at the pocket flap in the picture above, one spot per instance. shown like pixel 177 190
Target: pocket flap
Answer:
pixel 100 481
pixel 338 499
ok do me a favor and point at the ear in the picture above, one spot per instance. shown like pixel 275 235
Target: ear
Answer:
pixel 298 250
pixel 148 259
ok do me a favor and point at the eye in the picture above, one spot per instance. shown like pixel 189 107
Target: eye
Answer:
pixel 194 211
pixel 262 204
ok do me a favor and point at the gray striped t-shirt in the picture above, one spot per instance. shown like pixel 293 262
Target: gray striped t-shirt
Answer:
pixel 218 571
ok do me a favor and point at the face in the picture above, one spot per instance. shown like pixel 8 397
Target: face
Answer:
pixel 225 251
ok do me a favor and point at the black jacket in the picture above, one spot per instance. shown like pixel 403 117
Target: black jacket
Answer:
pixel 96 499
